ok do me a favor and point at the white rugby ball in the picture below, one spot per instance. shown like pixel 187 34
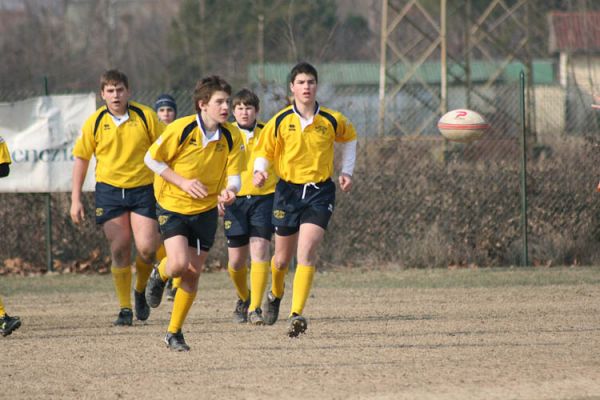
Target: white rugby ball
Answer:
pixel 462 125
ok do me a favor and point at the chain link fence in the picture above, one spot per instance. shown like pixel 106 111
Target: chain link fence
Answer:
pixel 418 201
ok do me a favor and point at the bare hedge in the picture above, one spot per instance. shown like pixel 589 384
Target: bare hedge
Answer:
pixel 415 203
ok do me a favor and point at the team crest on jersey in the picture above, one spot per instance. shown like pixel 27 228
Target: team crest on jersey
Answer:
pixel 99 212
pixel 279 214
pixel 219 147
pixel 321 129
pixel 162 219
pixel 227 224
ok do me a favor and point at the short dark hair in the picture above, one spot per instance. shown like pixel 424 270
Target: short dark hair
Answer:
pixel 246 97
pixel 207 86
pixel 113 77
pixel 303 68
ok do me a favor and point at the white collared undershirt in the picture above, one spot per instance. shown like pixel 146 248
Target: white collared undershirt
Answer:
pixel 119 120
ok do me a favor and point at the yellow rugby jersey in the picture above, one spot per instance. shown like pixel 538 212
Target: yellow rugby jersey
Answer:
pixel 181 148
pixel 4 154
pixel 248 187
pixel 120 150
pixel 303 156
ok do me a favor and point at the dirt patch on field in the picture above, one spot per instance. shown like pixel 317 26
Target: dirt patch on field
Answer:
pixel 479 343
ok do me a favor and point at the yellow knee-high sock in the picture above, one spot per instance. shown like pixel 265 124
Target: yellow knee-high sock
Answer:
pixel 161 253
pixel 259 274
pixel 302 284
pixel 181 306
pixel 240 281
pixel 177 282
pixel 2 310
pixel 278 279
pixel 143 271
pixel 122 280
pixel 162 269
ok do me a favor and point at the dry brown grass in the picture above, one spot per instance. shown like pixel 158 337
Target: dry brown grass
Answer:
pixel 416 334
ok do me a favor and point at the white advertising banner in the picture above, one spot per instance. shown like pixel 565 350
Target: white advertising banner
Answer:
pixel 40 133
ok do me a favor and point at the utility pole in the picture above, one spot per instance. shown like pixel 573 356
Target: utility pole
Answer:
pixel 382 66
pixel 261 47
pixel 202 45
pixel 111 23
pixel 443 60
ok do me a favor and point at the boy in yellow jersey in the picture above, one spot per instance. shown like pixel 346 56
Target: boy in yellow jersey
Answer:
pixel 166 110
pixel 299 143
pixel 8 324
pixel 194 159
pixel 118 134
pixel 4 159
pixel 247 221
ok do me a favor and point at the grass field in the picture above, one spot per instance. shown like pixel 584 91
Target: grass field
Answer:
pixel 390 334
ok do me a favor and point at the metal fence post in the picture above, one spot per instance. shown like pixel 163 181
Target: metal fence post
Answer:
pixel 49 261
pixel 525 261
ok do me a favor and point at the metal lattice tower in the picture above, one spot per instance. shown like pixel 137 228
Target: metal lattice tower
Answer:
pixel 499 34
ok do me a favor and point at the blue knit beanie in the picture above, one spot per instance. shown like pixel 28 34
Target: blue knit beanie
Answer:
pixel 165 100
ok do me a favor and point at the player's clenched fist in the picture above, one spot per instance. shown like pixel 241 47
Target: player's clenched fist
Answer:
pixel 345 182
pixel 260 178
pixel 227 197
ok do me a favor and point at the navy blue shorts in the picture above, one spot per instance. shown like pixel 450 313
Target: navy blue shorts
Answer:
pixel 112 201
pixel 297 204
pixel 199 229
pixel 248 216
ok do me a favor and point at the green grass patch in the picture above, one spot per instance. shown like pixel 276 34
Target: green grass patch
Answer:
pixel 460 278
pixel 342 278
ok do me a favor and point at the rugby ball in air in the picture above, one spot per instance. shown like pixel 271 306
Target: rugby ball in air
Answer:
pixel 462 125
